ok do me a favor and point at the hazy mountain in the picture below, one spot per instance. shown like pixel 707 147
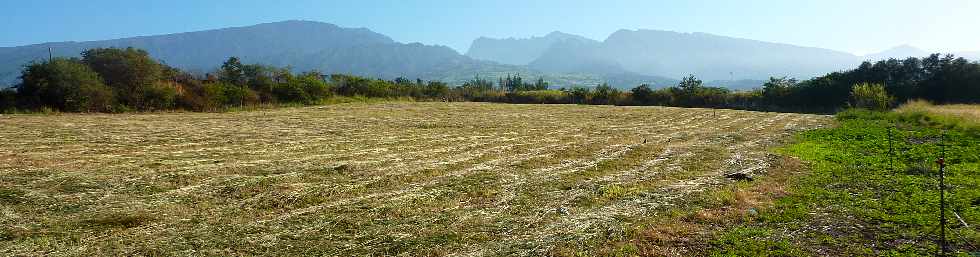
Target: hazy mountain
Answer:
pixel 305 45
pixel 975 55
pixel 515 51
pixel 302 45
pixel 674 55
pixel 906 51
pixel 898 52
pixel 576 57
pixel 713 57
pixel 626 59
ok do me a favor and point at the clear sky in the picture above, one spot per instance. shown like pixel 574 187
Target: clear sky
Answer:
pixel 857 26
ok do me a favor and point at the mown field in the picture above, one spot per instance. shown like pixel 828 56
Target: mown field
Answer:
pixel 367 179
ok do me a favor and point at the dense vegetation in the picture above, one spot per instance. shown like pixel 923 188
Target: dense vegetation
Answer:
pixel 113 80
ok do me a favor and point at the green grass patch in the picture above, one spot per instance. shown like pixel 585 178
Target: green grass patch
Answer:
pixel 873 190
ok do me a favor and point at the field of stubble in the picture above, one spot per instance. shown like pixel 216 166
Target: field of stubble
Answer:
pixel 363 179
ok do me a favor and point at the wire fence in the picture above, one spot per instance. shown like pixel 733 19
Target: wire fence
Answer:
pixel 946 242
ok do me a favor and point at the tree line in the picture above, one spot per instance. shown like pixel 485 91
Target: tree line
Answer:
pixel 941 79
pixel 119 80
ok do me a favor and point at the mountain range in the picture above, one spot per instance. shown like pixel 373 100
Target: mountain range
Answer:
pixel 625 59
pixel 675 55
pixel 302 45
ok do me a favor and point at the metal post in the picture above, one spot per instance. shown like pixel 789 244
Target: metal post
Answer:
pixel 891 150
pixel 942 194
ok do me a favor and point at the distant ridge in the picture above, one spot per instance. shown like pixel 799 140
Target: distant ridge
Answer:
pixel 521 51
pixel 625 59
pixel 674 55
pixel 302 45
pixel 898 52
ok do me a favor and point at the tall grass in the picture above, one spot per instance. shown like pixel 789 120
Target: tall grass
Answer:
pixel 964 116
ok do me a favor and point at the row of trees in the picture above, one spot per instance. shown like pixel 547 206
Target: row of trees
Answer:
pixel 937 78
pixel 112 80
pixel 880 85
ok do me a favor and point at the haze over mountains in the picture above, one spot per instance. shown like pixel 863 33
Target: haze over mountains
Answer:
pixel 674 55
pixel 301 45
pixel 516 51
pixel 625 59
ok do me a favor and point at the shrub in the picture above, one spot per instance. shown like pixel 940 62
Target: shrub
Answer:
pixel 159 96
pixel 580 95
pixel 66 85
pixel 642 94
pixel 313 87
pixel 129 72
pixel 539 97
pixel 870 96
pixel 605 94
pixel 290 93
pixel 8 100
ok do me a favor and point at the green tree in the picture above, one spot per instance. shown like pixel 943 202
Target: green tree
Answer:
pixel 8 99
pixel 479 84
pixel 129 72
pixel 605 94
pixel 233 72
pixel 776 90
pixel 580 95
pixel 159 96
pixel 436 89
pixel 690 84
pixel 540 84
pixel 313 85
pixel 642 94
pixel 64 84
pixel 870 96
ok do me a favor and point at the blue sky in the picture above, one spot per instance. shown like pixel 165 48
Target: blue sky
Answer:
pixel 857 26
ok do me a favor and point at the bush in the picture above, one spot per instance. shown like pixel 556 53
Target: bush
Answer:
pixel 290 93
pixel 539 97
pixel 870 96
pixel 580 95
pixel 8 100
pixel 129 72
pixel 66 85
pixel 436 89
pixel 605 94
pixel 159 96
pixel 313 87
pixel 642 95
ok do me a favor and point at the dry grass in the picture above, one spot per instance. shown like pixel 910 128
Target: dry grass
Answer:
pixel 365 179
pixel 965 112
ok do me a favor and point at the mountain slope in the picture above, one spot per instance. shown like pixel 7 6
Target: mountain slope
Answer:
pixel 306 45
pixel 898 52
pixel 576 57
pixel 303 45
pixel 974 56
pixel 713 57
pixel 674 55
pixel 523 51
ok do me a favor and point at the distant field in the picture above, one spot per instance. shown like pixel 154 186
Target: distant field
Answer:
pixel 359 179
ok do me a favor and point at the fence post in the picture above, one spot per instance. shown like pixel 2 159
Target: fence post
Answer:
pixel 891 151
pixel 942 194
